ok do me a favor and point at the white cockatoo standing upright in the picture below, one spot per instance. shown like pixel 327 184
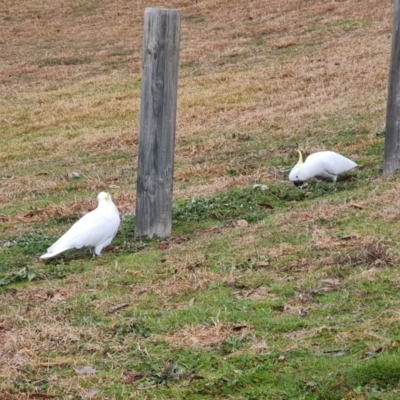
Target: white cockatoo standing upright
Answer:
pixel 95 230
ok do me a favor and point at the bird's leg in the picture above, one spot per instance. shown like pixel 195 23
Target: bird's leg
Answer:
pixel 94 254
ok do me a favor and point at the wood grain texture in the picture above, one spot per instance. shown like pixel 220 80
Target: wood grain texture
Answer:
pixel 157 122
pixel 392 138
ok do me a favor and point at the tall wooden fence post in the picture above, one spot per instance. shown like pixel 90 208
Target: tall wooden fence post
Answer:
pixel 392 138
pixel 157 122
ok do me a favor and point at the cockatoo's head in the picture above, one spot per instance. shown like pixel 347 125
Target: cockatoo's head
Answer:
pixel 294 173
pixel 103 196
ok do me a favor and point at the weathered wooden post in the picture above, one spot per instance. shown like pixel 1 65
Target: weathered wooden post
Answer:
pixel 392 138
pixel 157 122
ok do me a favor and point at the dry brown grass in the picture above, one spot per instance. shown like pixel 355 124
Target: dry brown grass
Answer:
pixel 257 79
pixel 206 336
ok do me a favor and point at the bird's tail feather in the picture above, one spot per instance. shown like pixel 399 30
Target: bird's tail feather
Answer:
pixel 53 252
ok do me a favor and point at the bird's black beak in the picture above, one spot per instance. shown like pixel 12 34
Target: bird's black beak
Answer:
pixel 298 183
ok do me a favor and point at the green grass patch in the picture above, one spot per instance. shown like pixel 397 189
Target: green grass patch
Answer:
pixel 346 25
pixel 251 204
pixel 122 53
pixel 194 19
pixel 51 62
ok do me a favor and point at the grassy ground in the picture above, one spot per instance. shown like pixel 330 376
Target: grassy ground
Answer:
pixel 302 303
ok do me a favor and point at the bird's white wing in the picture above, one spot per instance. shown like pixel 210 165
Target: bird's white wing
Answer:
pixel 319 155
pixel 325 164
pixel 94 230
pixel 337 164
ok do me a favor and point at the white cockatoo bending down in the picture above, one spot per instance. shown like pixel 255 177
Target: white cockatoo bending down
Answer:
pixel 95 230
pixel 323 165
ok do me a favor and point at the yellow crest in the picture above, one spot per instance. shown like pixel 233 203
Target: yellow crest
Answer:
pixel 300 157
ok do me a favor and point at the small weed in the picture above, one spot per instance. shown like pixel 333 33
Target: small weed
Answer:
pixel 22 275
pixel 233 343
pixel 132 326
pixel 241 266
